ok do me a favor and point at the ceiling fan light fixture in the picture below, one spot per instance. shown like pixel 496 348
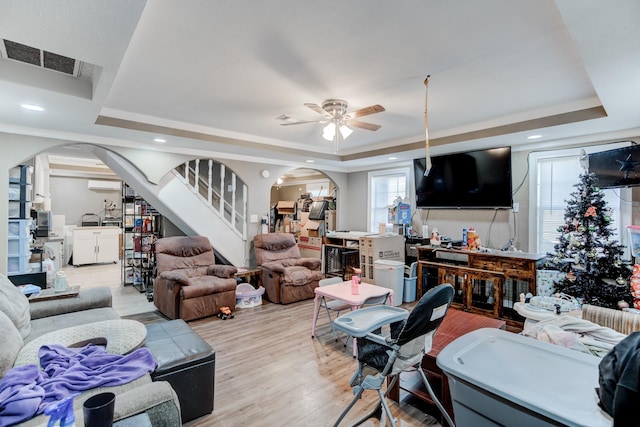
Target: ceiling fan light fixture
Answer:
pixel 329 131
pixel 345 131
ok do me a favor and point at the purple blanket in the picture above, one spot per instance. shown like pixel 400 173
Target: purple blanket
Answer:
pixel 25 390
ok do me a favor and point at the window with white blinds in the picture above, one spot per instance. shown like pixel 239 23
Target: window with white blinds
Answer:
pixel 556 175
pixel 384 187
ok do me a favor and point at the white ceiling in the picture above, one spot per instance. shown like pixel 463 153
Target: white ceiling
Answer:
pixel 212 76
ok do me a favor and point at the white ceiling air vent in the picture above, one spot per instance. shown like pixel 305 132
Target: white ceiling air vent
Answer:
pixel 44 59
pixel 97 185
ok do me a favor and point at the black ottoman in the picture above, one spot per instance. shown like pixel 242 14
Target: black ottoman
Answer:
pixel 187 362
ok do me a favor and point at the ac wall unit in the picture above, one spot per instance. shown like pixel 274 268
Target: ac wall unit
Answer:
pixel 104 185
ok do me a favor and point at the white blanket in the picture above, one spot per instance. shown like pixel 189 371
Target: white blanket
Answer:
pixel 576 334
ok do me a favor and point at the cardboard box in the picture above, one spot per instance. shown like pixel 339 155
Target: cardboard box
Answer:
pixel 310 247
pixel 314 229
pixel 303 218
pixel 311 242
pixel 286 207
pixel 400 214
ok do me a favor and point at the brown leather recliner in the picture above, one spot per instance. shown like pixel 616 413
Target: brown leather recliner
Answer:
pixel 286 276
pixel 189 285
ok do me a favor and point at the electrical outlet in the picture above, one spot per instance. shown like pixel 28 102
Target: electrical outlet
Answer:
pixel 254 219
pixel 516 207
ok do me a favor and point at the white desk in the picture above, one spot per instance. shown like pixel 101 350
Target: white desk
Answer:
pixel 342 291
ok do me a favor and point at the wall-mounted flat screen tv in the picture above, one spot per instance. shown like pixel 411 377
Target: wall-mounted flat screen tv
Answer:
pixel 473 180
pixel 616 168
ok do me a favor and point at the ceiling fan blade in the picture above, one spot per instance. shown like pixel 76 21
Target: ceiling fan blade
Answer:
pixel 372 109
pixel 302 122
pixel 315 107
pixel 362 125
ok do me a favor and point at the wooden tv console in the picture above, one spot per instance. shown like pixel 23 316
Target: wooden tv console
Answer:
pixel 487 283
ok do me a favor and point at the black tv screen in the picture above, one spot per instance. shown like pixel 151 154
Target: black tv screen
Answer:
pixel 616 168
pixel 475 179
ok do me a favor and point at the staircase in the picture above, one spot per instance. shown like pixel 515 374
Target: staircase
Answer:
pixel 208 179
pixel 200 197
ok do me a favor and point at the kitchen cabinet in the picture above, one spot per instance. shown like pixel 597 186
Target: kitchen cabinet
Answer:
pixel 93 245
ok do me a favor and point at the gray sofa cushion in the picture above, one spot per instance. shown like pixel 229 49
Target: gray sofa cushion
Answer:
pixel 49 324
pixel 11 344
pixel 87 299
pixel 15 305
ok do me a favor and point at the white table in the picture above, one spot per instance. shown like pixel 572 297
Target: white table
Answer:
pixel 342 291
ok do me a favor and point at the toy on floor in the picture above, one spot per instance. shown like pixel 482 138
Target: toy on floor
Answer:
pixel 225 313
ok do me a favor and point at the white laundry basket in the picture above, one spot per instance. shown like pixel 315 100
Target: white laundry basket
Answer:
pixel 247 296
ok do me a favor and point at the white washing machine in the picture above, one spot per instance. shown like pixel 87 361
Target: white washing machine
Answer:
pixel 55 249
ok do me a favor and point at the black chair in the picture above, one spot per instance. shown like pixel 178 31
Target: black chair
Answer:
pixel 401 350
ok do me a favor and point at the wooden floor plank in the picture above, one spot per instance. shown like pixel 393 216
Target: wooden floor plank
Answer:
pixel 269 371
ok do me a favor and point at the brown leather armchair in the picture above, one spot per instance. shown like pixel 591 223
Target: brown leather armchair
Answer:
pixel 189 285
pixel 286 276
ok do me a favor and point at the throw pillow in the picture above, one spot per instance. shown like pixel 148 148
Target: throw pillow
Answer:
pixel 15 306
pixel 11 344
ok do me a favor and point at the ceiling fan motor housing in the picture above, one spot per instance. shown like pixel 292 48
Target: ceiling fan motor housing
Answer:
pixel 336 107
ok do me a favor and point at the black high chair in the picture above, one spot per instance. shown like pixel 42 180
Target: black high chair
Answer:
pixel 411 336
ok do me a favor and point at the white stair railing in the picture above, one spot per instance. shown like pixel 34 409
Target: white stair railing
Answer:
pixel 230 205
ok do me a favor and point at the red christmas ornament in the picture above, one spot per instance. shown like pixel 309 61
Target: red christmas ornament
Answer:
pixel 591 211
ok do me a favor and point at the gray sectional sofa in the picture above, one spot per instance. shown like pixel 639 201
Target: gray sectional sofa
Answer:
pixel 23 322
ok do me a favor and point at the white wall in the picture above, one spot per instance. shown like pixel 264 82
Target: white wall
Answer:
pixel 356 205
pixel 351 195
pixel 496 227
pixel 72 198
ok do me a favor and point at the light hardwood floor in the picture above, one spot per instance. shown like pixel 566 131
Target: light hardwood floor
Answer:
pixel 269 371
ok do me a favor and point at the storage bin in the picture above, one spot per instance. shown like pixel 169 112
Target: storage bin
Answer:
pixel 15 173
pixel 410 279
pixel 21 174
pixel 19 246
pixel 498 378
pixel 409 292
pixel 185 361
pixel 19 209
pixel 20 192
pixel 14 191
pixel 390 274
pixel 247 296
pixel 18 264
pixel 19 227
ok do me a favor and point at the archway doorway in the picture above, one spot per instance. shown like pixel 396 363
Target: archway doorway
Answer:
pixel 303 202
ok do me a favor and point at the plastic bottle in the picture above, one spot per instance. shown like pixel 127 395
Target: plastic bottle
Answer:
pixel 60 281
pixel 147 225
pixel 49 267
pixel 61 410
pixel 355 281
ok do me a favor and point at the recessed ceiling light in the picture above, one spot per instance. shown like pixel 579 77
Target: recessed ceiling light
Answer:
pixel 393 158
pixel 310 161
pixel 534 136
pixel 159 140
pixel 32 107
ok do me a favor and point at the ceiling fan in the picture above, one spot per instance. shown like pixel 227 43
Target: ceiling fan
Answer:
pixel 334 112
